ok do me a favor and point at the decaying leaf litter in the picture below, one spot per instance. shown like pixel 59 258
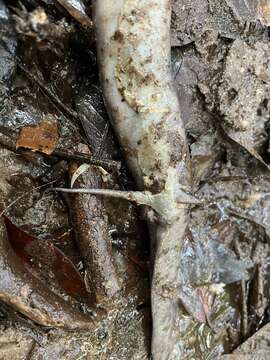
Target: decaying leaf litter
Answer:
pixel 220 67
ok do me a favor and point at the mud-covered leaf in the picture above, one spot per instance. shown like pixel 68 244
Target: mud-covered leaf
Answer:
pixel 191 18
pixel 208 262
pixel 187 21
pixel 43 137
pixel 197 302
pixel 14 344
pixel 256 347
pixel 246 121
pixel 204 154
pixel 42 255
pixel 247 200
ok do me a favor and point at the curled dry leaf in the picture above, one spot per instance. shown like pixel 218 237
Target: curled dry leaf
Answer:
pixel 42 138
pixel 76 9
pixel 81 169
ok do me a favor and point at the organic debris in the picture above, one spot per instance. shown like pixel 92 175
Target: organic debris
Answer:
pixel 42 138
pixel 42 256
pixel 22 290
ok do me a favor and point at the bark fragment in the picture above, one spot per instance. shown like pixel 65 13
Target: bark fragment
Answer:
pixel 92 231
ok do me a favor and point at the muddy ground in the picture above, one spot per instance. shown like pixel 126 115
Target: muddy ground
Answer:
pixel 82 261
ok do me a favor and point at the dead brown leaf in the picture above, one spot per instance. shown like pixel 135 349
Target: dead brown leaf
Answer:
pixel 42 137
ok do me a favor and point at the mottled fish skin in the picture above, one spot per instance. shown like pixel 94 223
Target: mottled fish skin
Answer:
pixel 133 43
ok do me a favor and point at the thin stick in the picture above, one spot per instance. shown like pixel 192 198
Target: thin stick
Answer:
pixel 92 160
pixel 25 194
pixel 55 100
pixel 244 308
pixel 51 94
pixel 244 317
pixel 48 92
pixel 88 126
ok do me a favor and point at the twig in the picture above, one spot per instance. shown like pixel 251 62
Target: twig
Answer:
pixel 244 309
pixel 92 160
pixel 52 95
pixel 88 126
pixel 58 104
pixel 244 318
pixel 25 194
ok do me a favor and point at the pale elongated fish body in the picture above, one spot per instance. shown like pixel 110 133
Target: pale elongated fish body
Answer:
pixel 133 42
